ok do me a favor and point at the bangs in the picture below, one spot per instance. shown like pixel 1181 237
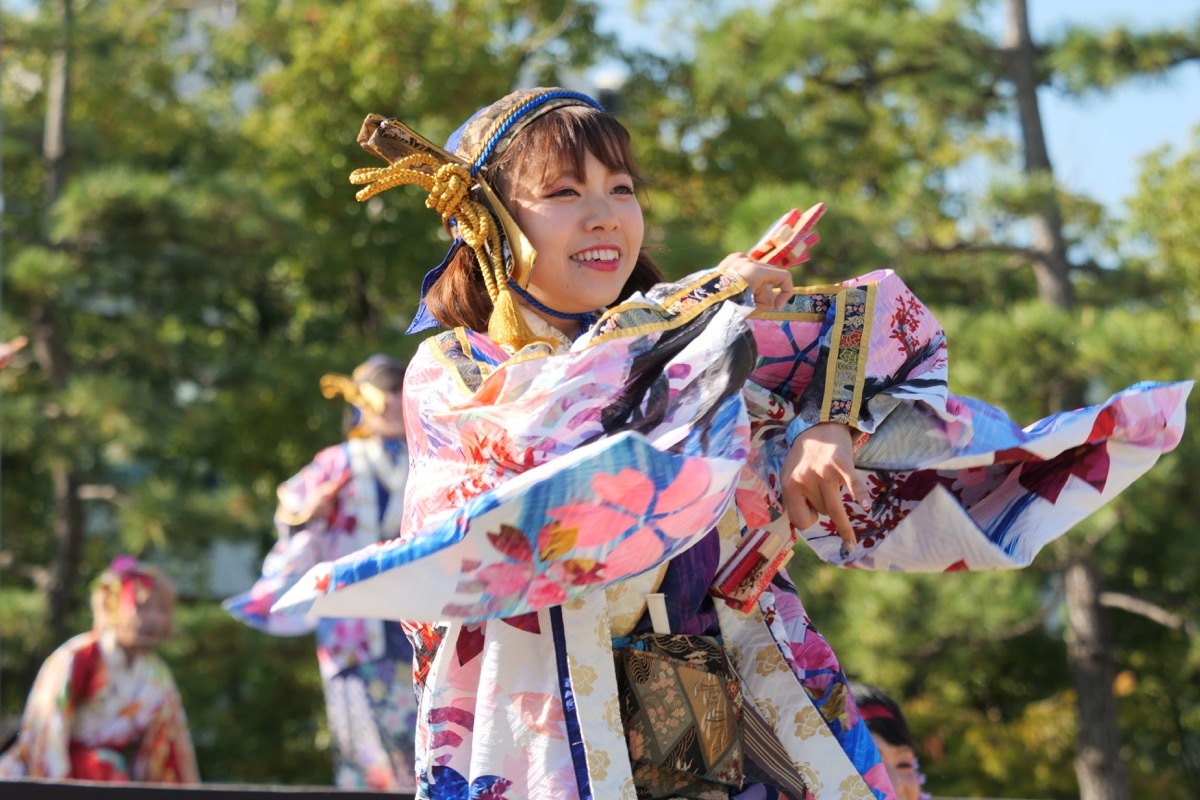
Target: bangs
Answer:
pixel 561 137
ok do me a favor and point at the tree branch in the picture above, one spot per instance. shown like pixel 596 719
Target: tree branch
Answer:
pixel 955 248
pixel 1151 611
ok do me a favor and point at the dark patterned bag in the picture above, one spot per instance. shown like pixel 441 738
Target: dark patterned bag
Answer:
pixel 681 705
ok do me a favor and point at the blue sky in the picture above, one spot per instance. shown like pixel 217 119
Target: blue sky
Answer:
pixel 1095 142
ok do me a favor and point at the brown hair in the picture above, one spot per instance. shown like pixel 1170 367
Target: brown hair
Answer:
pixel 459 298
pixel 382 372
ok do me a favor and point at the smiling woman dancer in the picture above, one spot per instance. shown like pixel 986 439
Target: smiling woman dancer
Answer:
pixel 613 468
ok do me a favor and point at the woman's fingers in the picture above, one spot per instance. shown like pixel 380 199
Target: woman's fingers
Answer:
pixel 806 505
pixel 771 286
pixel 855 485
pixel 817 476
pixel 800 513
pixel 835 509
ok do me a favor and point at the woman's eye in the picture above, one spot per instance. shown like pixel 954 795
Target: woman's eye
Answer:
pixel 624 188
pixel 564 192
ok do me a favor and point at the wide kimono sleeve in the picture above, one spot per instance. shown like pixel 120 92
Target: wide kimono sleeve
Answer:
pixel 308 502
pixel 851 353
pixel 542 476
pixel 165 754
pixel 42 747
pixel 953 482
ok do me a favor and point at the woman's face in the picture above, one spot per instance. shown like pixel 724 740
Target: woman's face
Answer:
pixel 587 230
pixel 143 618
pixel 901 764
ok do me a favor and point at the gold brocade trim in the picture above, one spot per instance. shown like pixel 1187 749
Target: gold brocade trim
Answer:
pixel 787 316
pixel 702 302
pixel 847 360
pixel 800 293
pixel 469 372
pixel 868 323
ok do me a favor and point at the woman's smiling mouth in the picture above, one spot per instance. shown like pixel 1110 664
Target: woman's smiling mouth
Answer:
pixel 606 259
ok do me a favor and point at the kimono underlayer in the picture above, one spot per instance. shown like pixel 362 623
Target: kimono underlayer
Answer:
pixel 560 485
pixel 366 664
pixel 95 715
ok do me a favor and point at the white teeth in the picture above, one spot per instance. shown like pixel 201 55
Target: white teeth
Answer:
pixel 604 254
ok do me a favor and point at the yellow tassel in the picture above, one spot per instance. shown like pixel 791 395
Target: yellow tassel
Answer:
pixel 372 397
pixel 506 325
pixel 449 186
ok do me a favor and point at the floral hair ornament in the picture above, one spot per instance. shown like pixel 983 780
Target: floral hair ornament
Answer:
pixel 124 583
pixel 476 219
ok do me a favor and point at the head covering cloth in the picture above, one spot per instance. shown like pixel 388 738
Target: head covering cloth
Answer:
pixel 455 178
pixel 871 711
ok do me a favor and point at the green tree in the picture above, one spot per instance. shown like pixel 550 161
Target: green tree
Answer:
pixel 188 259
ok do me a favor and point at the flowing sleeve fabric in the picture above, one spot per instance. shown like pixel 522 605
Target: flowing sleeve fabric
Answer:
pixel 544 476
pixel 644 455
pixel 42 746
pixel 954 484
pixel 309 508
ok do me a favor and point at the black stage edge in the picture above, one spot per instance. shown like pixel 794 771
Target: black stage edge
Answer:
pixel 89 790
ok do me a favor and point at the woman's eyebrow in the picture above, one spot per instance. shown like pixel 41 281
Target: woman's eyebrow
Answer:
pixel 568 173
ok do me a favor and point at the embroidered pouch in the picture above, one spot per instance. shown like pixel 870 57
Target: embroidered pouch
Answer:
pixel 681 705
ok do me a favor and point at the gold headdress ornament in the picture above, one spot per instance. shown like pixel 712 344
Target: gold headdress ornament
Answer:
pixel 482 222
pixel 360 395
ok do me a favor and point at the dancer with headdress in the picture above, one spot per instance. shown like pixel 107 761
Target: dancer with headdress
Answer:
pixel 613 470
pixel 348 497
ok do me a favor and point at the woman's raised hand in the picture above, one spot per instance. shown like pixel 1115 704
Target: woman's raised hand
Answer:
pixel 819 465
pixel 772 286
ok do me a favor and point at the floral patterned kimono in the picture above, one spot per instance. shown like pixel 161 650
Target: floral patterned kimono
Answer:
pixel 366 664
pixel 95 715
pixel 561 485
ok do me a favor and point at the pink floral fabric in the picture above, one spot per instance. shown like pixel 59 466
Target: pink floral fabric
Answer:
pixel 555 485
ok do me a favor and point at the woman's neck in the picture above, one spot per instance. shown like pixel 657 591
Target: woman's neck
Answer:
pixel 548 327
pixel 568 324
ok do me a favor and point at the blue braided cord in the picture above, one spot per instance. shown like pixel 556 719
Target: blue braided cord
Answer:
pixel 521 111
pixel 586 319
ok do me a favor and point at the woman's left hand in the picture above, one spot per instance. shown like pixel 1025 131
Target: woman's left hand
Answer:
pixel 772 286
pixel 819 465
